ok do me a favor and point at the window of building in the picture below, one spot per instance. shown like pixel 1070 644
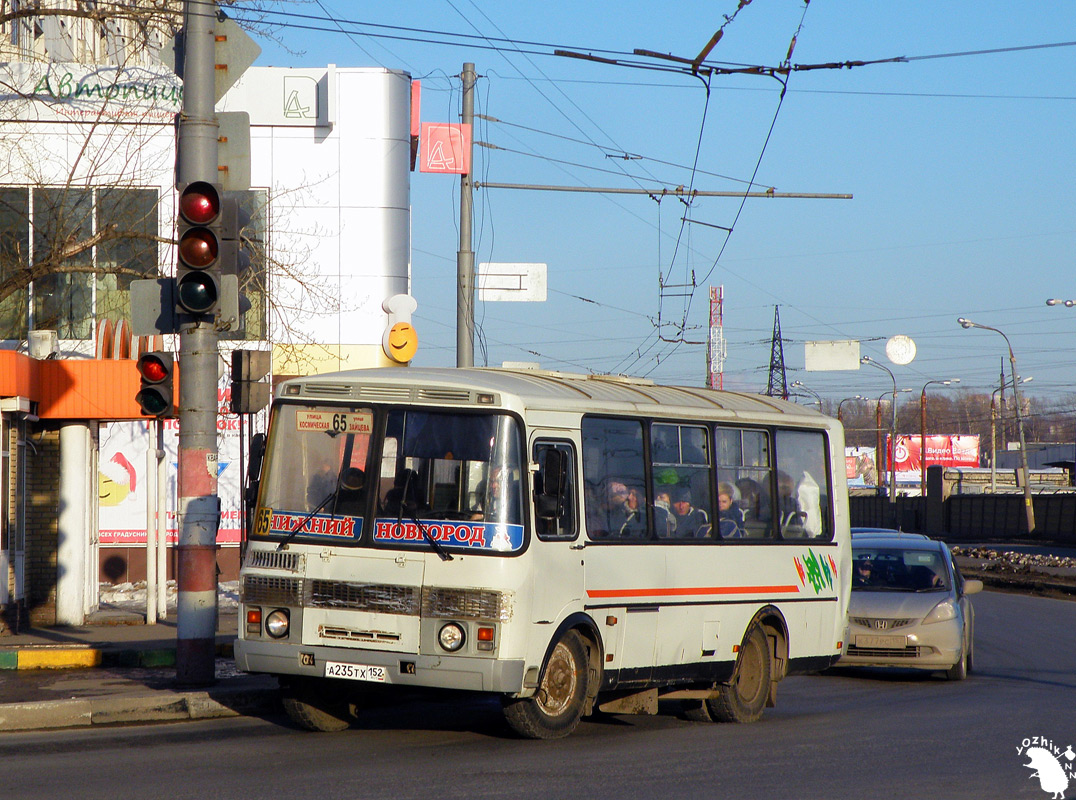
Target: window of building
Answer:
pixel 14 258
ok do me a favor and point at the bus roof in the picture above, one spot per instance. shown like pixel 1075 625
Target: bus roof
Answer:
pixel 540 389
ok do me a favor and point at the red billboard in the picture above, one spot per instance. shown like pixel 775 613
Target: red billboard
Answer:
pixel 947 450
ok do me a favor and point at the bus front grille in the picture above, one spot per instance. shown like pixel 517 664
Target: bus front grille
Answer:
pixel 262 590
pixel 377 598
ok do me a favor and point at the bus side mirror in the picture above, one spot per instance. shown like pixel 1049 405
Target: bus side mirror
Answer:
pixel 254 468
pixel 549 499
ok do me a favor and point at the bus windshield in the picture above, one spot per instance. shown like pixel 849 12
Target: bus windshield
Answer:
pixel 316 468
pixel 442 467
pixel 455 478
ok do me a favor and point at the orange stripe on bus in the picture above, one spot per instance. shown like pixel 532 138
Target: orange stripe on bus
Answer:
pixel 690 591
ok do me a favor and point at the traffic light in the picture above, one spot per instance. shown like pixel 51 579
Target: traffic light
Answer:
pixel 199 251
pixel 155 393
pixel 249 394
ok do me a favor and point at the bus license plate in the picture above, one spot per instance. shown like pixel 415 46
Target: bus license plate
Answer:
pixel 355 672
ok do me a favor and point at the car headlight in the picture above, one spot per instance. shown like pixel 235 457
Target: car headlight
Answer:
pixel 945 610
pixel 450 637
pixel 277 623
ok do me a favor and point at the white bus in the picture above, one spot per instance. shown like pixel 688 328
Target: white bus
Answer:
pixel 567 542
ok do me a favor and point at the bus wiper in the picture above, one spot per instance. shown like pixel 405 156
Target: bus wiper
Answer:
pixel 438 548
pixel 298 528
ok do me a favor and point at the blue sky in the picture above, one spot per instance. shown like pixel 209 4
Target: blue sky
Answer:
pixel 960 164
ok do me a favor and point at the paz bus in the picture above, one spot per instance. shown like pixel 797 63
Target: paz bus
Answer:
pixel 569 543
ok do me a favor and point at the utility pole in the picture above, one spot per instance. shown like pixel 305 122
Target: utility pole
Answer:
pixel 465 256
pixel 198 504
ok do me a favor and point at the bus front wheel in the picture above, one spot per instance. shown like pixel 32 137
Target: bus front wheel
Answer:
pixel 556 708
pixel 310 704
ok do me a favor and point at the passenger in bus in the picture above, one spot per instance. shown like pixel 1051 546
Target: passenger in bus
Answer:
pixel 497 499
pixel 730 519
pixel 750 499
pixel 792 517
pixel 664 523
pixel 624 511
pixel 690 522
pixel 351 498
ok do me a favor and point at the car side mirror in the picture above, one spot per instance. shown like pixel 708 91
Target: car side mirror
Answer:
pixel 973 586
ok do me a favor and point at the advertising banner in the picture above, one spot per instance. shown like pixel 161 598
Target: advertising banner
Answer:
pixel 122 483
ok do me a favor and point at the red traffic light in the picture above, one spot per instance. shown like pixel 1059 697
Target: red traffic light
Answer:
pixel 155 394
pixel 199 203
pixel 198 248
pixel 151 368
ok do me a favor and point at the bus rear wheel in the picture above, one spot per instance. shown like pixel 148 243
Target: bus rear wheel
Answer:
pixel 556 708
pixel 310 704
pixel 744 698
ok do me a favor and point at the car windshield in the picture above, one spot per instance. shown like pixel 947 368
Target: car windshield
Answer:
pixel 897 569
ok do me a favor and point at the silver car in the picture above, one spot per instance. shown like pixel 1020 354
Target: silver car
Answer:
pixel 910 605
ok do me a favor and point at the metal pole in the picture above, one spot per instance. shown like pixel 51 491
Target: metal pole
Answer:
pixel 879 458
pixel 465 256
pixel 151 529
pixel 993 446
pixel 923 442
pixel 1029 506
pixel 198 505
pixel 162 533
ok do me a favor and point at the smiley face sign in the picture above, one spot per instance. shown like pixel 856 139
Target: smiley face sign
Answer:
pixel 400 341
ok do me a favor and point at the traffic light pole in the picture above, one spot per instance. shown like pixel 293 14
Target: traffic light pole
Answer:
pixel 198 503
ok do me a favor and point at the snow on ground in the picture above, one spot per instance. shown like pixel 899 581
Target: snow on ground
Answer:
pixel 132 596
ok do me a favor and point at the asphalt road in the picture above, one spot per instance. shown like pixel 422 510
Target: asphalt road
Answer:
pixel 840 735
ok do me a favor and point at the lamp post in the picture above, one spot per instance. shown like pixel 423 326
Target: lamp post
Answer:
pixel 815 395
pixel 1053 301
pixel 878 430
pixel 923 432
pixel 994 432
pixel 1028 505
pixel 892 427
pixel 840 405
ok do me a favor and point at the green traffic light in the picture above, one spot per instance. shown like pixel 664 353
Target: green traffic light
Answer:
pixel 152 402
pixel 197 292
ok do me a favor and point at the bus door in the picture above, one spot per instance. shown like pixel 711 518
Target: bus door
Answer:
pixel 555 550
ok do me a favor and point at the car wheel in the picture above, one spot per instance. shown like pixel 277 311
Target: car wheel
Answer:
pixel 959 670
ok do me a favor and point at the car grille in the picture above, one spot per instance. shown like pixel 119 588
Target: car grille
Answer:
pixel 881 623
pixel 885 652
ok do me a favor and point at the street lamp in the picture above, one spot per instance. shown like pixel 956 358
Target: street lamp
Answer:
pixel 815 395
pixel 1028 505
pixel 923 432
pixel 892 427
pixel 845 400
pixel 994 431
pixel 1053 301
pixel 878 432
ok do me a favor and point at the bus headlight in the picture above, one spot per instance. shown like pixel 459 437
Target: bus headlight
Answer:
pixel 451 637
pixel 276 623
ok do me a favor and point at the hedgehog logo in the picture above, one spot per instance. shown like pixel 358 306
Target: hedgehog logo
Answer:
pixel 1048 764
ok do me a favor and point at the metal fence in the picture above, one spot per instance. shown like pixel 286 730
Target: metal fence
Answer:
pixel 972 517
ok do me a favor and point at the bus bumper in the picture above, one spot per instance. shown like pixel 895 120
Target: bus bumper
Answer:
pixel 404 669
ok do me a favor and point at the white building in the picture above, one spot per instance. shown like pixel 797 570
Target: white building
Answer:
pixel 87 154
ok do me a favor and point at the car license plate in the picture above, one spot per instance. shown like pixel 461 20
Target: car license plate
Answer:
pixel 898 642
pixel 355 672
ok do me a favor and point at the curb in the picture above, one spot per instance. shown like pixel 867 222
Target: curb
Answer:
pixel 65 657
pixel 160 706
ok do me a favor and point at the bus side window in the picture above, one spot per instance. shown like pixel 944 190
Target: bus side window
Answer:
pixel 554 490
pixel 743 465
pixel 803 481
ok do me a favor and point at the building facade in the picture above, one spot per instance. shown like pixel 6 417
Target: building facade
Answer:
pixel 87 205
